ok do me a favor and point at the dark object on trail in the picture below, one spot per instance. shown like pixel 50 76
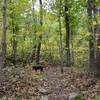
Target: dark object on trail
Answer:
pixel 37 67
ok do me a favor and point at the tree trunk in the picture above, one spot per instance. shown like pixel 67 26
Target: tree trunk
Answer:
pixel 40 37
pixel 60 33
pixel 38 50
pixel 67 35
pixel 98 55
pixel 97 32
pixel 91 41
pixel 4 46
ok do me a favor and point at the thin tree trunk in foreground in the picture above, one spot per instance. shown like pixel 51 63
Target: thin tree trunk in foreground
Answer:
pixel 4 32
pixel 91 41
pixel 67 35
pixel 40 37
pixel 60 33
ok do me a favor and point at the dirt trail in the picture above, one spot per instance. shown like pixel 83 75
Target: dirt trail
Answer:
pixel 61 85
pixel 53 83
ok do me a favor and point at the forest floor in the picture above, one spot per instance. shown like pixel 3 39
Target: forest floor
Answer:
pixel 31 85
pixel 60 86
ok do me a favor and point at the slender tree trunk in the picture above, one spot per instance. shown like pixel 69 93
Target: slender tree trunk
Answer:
pixel 67 35
pixel 98 55
pixel 38 50
pixel 41 12
pixel 97 32
pixel 91 41
pixel 60 33
pixel 4 46
pixel 40 37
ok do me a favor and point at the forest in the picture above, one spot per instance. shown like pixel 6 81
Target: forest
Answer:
pixel 49 49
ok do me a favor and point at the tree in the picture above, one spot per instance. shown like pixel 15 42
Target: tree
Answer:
pixel 67 33
pixel 4 46
pixel 97 32
pixel 91 39
pixel 60 33
pixel 40 36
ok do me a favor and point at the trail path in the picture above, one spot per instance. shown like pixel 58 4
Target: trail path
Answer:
pixel 28 84
pixel 61 85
